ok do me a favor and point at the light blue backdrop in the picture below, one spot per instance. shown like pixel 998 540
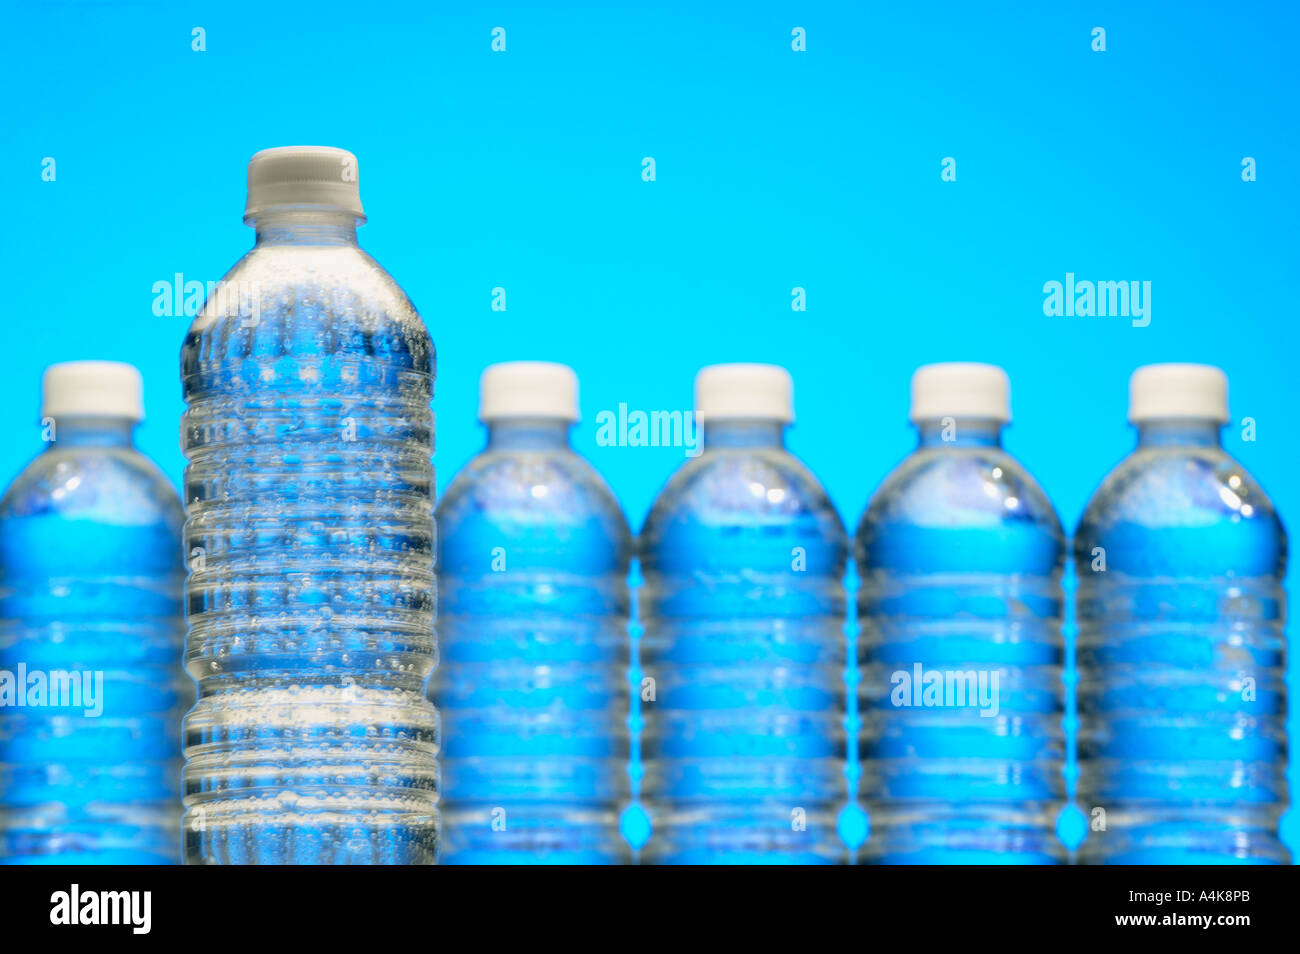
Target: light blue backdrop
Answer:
pixel 774 169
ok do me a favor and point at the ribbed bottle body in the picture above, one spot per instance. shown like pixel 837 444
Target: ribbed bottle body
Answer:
pixel 531 686
pixel 90 642
pixel 1181 652
pixel 310 538
pixel 960 653
pixel 743 601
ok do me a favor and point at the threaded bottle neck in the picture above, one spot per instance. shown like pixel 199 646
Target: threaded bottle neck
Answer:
pixel 302 227
pixel 91 431
pixel 528 434
pixel 743 434
pixel 963 432
pixel 1194 432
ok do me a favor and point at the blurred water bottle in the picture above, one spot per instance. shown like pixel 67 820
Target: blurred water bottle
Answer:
pixel 743 560
pixel 960 556
pixel 91 686
pixel 309 535
pixel 533 557
pixel 1180 558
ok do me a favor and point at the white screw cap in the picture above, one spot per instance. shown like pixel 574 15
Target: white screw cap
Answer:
pixel 739 392
pixel 92 389
pixel 1163 392
pixel 308 177
pixel 522 389
pixel 960 389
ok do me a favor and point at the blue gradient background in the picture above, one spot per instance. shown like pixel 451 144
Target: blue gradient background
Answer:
pixel 774 169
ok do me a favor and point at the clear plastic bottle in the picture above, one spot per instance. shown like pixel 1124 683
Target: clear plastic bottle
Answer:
pixel 743 559
pixel 960 557
pixel 90 616
pixel 533 557
pixel 310 541
pixel 1182 705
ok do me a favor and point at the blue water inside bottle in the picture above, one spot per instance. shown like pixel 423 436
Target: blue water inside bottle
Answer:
pixel 90 609
pixel 533 610
pixel 743 559
pixel 960 650
pixel 1182 702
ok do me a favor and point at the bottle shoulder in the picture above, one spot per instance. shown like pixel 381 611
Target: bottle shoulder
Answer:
pixel 107 485
pixel 741 486
pixel 278 298
pixel 1190 490
pixel 968 488
pixel 531 488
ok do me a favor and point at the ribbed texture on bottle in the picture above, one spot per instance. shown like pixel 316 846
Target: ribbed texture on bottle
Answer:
pixel 535 769
pixel 743 610
pixel 1182 712
pixel 744 742
pixel 80 786
pixel 90 638
pixel 960 651
pixel 532 681
pixel 311 596
pixel 969 767
pixel 1182 701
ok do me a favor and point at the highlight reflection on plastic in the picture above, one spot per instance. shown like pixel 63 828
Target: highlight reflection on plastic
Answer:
pixel 1182 699
pixel 743 559
pixel 533 608
pixel 90 581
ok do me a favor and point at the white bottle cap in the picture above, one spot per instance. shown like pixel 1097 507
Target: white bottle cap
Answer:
pixel 1166 392
pixel 92 389
pixel 308 177
pixel 960 389
pixel 528 389
pixel 744 392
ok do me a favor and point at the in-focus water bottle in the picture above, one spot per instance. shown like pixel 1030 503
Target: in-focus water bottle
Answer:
pixel 91 686
pixel 533 555
pixel 743 560
pixel 960 557
pixel 310 541
pixel 1181 651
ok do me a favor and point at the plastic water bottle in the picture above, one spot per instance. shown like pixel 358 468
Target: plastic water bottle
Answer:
pixel 960 556
pixel 309 536
pixel 91 686
pixel 1180 558
pixel 743 560
pixel 533 557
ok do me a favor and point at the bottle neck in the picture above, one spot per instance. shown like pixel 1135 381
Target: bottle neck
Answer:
pixel 82 431
pixel 520 433
pixel 963 432
pixel 1188 433
pixel 300 227
pixel 743 434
